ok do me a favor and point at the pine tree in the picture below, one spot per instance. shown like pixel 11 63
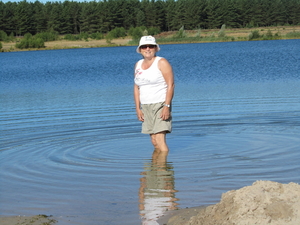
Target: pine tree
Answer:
pixel 22 17
pixel 54 10
pixel 66 26
pixel 89 18
pixel 214 14
pixel 160 20
pixel 294 10
pixel 75 14
pixel 179 15
pixel 128 13
pixel 2 8
pixel 230 15
pixel 39 17
pixel 170 14
pixel 140 18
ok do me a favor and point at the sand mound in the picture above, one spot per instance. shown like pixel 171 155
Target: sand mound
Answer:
pixel 265 202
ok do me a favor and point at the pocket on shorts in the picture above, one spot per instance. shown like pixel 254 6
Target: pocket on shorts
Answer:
pixel 158 107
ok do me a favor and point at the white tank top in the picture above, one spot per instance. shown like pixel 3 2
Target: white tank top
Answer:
pixel 152 85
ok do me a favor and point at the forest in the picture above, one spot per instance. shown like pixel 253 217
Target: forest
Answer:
pixel 70 17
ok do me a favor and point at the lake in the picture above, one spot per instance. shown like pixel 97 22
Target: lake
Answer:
pixel 71 145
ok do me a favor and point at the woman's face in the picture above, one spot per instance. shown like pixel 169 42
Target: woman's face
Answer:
pixel 148 51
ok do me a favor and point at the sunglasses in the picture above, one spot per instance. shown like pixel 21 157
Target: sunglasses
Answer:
pixel 148 46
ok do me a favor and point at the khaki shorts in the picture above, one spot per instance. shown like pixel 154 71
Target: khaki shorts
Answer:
pixel 152 122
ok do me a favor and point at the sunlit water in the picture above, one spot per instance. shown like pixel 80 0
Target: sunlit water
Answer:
pixel 71 145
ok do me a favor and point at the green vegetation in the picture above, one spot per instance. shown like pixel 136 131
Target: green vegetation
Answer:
pixel 48 36
pixel 115 33
pixel 293 34
pixel 112 19
pixel 30 41
pixel 181 34
pixel 137 32
pixel 221 33
pixel 72 17
pixel 4 37
pixel 254 35
pixel 83 36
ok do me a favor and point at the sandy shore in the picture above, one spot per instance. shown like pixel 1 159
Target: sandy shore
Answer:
pixel 27 220
pixel 264 202
pixel 65 44
pixel 239 34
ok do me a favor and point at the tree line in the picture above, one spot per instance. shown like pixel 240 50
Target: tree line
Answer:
pixel 69 17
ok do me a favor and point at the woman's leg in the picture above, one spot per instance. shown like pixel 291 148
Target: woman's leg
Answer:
pixel 159 141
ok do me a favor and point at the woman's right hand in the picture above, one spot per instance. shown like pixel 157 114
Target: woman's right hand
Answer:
pixel 140 115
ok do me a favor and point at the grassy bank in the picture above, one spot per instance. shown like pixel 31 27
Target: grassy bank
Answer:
pixel 181 36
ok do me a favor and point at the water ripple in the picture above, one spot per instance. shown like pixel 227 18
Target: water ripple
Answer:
pixel 71 147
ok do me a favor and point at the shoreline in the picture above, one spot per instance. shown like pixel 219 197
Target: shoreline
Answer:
pixel 233 35
pixel 264 202
pixel 27 220
pixel 180 215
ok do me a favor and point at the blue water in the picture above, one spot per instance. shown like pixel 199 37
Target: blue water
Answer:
pixel 71 145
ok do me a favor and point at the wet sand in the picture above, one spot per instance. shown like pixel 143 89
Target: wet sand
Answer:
pixel 27 220
pixel 264 202
pixel 180 216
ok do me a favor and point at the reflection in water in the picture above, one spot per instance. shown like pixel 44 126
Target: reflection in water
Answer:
pixel 157 193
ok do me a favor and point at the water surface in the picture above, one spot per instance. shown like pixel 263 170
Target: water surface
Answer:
pixel 71 145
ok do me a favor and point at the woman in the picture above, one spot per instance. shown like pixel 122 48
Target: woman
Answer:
pixel 153 92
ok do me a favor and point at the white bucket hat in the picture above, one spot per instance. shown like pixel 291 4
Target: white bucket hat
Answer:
pixel 147 40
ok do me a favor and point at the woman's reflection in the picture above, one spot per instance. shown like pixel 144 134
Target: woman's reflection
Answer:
pixel 157 193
